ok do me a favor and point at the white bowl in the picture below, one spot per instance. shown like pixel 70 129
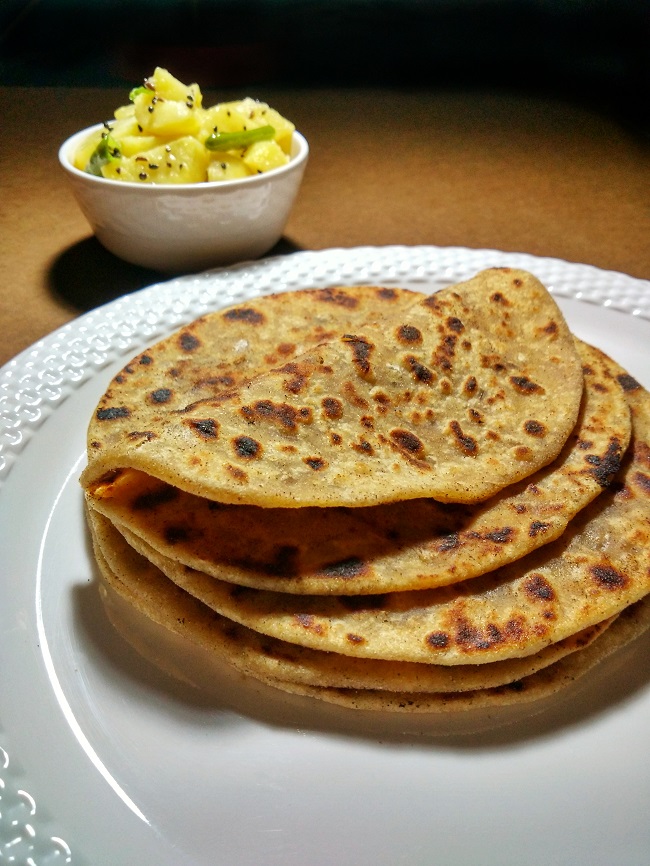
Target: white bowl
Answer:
pixel 187 227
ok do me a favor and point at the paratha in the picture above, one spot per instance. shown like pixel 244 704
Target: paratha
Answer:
pixel 455 398
pixel 627 627
pixel 385 548
pixel 146 588
pixel 599 566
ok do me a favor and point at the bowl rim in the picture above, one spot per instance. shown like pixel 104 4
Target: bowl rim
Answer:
pixel 66 148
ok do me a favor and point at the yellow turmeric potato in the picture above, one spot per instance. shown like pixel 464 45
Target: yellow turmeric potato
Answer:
pixel 165 125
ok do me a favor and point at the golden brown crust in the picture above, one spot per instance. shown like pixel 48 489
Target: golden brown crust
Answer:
pixel 452 396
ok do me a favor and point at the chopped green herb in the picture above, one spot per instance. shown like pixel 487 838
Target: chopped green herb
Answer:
pixel 107 150
pixel 138 90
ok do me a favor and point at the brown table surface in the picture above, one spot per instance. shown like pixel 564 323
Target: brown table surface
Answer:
pixel 473 169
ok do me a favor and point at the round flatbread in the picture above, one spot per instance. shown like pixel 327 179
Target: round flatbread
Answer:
pixel 599 566
pixel 416 544
pixel 146 588
pixel 633 622
pixel 454 397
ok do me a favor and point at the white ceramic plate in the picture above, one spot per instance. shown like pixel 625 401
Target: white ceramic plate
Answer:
pixel 106 760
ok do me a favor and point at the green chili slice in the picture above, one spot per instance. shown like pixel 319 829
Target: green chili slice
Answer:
pixel 106 151
pixel 232 140
pixel 137 90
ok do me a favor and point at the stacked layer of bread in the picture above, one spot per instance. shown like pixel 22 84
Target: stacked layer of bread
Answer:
pixel 379 498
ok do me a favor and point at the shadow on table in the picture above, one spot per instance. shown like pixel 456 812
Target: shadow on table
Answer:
pixel 86 275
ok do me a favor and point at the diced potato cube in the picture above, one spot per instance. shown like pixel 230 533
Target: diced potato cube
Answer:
pixel 168 87
pixel 264 155
pixel 182 161
pixel 131 145
pixel 124 111
pixel 161 117
pixel 124 126
pixel 227 166
pixel 284 129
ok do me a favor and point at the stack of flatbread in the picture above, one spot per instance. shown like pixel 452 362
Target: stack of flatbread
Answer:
pixel 379 498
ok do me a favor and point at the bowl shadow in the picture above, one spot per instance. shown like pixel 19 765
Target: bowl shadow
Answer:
pixel 86 275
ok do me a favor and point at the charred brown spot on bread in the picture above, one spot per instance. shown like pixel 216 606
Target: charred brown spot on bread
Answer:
pixel 225 381
pixel 475 416
pixel 627 382
pixel 386 294
pixel 606 467
pixel 245 314
pixel 336 438
pixel 362 349
pixel 299 375
pixel 383 402
pixel 433 303
pixel 467 444
pixel 538 588
pixel 367 422
pixel 455 324
pixel 315 463
pixel 237 473
pixel 309 622
pixel 445 352
pixel 409 334
pixel 493 362
pixel 145 360
pixel 112 413
pixel 642 453
pixel 206 428
pixel 286 348
pixel 354 639
pixel 500 536
pixel 354 397
pixel 408 443
pixel 332 408
pixel 347 569
pixel 535 428
pixel 420 372
pixel 551 329
pixel 438 640
pixel 284 415
pixel 499 298
pixel 337 296
pixel 643 481
pixel 609 577
pixel 141 435
pixel 188 342
pixel 537 527
pixel 524 385
pixel 363 447
pixel 470 637
pixel 161 395
pixel 448 542
pixel 247 448
pixel 470 386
